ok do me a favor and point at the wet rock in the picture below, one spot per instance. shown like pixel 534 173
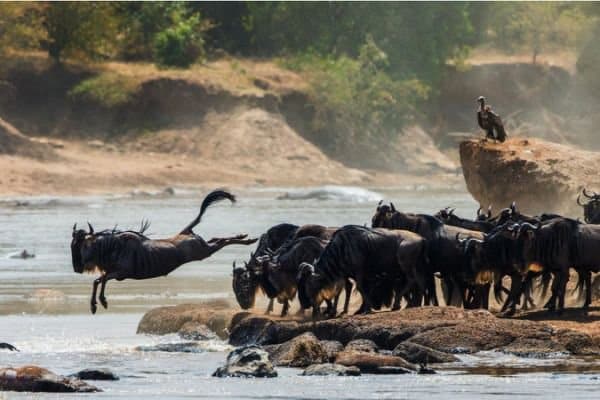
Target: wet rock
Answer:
pixel 163 320
pixel 332 348
pixel 250 361
pixel 193 330
pixel 535 348
pixel 300 352
pixel 331 369
pixel 35 379
pixel 6 346
pixel 417 354
pixel 365 345
pixel 373 363
pixel 90 374
pixel 186 347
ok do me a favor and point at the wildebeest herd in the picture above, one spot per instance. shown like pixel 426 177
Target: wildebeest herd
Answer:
pixel 395 262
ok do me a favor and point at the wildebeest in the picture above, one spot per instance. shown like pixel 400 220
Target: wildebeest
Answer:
pixel 448 217
pixel 374 258
pixel 444 253
pixel 131 255
pixel 247 280
pixel 277 274
pixel 591 208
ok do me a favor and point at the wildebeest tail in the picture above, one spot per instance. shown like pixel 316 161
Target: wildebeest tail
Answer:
pixel 212 197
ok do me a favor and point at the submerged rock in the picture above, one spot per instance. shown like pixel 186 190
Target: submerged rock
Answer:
pixel 193 330
pixel 417 354
pixel 301 351
pixel 185 347
pixel 374 363
pixel 90 374
pixel 6 346
pixel 332 348
pixel 365 345
pixel 250 361
pixel 35 379
pixel 331 369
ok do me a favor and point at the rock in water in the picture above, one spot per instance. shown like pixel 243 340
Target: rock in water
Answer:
pixel 35 379
pixel 7 346
pixel 102 374
pixel 193 330
pixel 250 361
pixel 330 369
pixel 415 353
pixel 300 352
pixel 375 363
pixel 540 176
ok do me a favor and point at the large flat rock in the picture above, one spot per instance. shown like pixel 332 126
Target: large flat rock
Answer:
pixel 540 176
pixel 445 329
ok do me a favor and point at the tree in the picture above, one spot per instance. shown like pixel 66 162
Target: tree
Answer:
pixel 20 26
pixel 81 29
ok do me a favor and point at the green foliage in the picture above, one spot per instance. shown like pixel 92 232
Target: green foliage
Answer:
pixel 181 44
pixel 360 90
pixel 533 27
pixel 20 26
pixel 81 29
pixel 107 89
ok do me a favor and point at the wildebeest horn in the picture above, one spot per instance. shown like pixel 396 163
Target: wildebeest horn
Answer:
pixel 479 211
pixel 379 204
pixel 392 207
pixel 269 251
pixel 74 226
pixel 245 264
pixel 490 211
pixel 451 212
pixel 513 207
pixel 579 201
pixel 91 228
pixel 234 265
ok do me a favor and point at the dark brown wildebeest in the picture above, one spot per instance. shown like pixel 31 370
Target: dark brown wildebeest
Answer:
pixel 591 208
pixel 247 280
pixel 373 258
pixel 131 255
pixel 448 217
pixel 443 250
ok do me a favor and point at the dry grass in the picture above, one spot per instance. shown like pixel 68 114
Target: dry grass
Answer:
pixel 564 58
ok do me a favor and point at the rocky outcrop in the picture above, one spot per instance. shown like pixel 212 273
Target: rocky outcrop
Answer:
pixel 300 352
pixel 216 316
pixel 331 369
pixel 249 361
pixel 444 329
pixel 13 142
pixel 538 175
pixel 35 379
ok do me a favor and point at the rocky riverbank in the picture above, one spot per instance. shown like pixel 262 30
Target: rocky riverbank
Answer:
pixel 388 342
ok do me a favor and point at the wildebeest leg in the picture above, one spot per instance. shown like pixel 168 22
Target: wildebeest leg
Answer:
pixel 270 307
pixel 348 290
pixel 588 289
pixel 93 303
pixel 449 290
pixel 216 244
pixel 430 294
pixel 105 279
pixel 285 308
pixel 551 303
pixel 562 288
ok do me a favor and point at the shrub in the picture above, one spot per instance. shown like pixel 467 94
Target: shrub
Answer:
pixel 181 44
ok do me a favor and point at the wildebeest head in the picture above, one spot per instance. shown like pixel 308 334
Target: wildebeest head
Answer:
pixel 481 216
pixel 80 243
pixel 307 289
pixel 383 215
pixel 245 285
pixel 591 207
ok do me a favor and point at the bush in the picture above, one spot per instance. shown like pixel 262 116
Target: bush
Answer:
pixel 179 45
pixel 107 89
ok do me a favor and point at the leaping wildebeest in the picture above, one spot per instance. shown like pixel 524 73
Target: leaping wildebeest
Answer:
pixel 132 255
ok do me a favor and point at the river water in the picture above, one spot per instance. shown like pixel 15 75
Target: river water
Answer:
pixel 44 306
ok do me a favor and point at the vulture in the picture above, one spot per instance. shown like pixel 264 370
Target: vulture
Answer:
pixel 490 122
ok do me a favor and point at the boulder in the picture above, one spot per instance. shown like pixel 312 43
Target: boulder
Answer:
pixel 540 176
pixel 300 352
pixel 332 348
pixel 365 345
pixel 193 330
pixel 164 320
pixel 374 363
pixel 90 374
pixel 417 354
pixel 35 379
pixel 249 361
pixel 331 369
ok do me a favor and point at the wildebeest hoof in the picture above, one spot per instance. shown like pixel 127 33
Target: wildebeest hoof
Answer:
pixel 93 308
pixel 103 302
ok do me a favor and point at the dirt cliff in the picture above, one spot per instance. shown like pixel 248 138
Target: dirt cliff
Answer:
pixel 540 176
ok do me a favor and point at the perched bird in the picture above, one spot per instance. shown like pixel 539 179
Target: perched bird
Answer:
pixel 490 122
